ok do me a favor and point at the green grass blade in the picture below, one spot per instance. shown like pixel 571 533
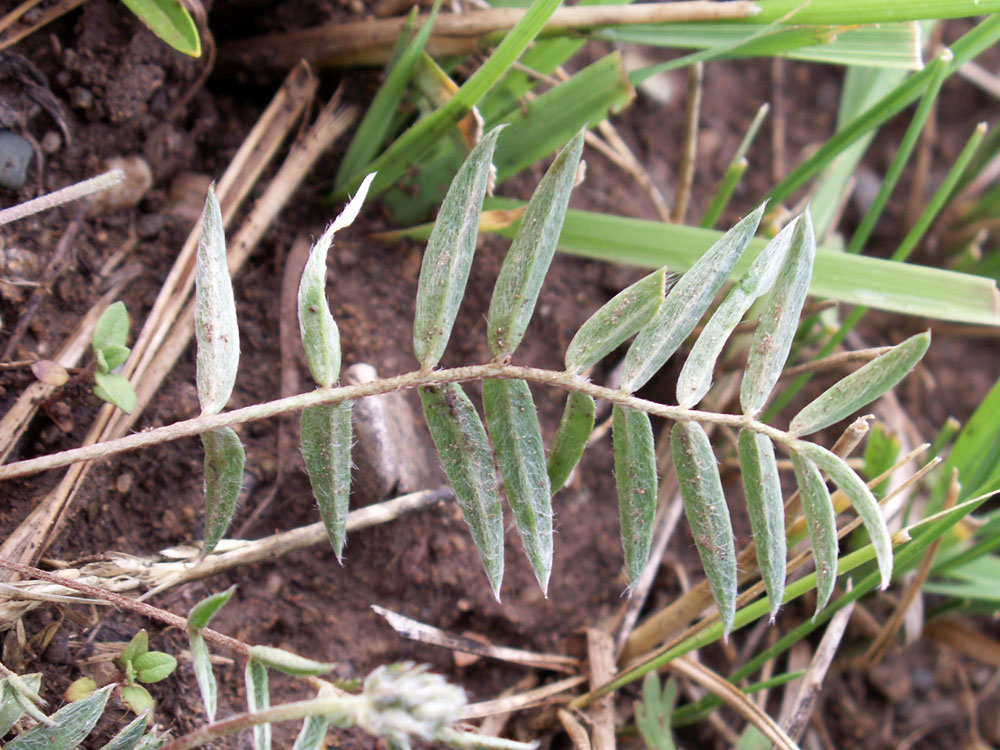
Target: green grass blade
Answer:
pixel 465 454
pixel 448 258
pixel 513 425
pixel 766 508
pixel 635 475
pixel 685 305
pixel 817 507
pixel 575 427
pixel 974 42
pixel 530 254
pixel 723 192
pixel 863 11
pixel 707 513
pixel 224 460
pixel 374 126
pixel 413 144
pixel 326 449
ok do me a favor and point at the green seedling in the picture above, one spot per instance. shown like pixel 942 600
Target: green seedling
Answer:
pixel 110 353
pixel 142 665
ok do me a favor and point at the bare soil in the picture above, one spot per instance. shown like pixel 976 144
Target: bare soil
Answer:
pixel 118 87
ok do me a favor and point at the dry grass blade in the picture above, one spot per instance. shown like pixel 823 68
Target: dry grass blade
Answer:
pixel 418 631
pixel 689 150
pixel 576 731
pixel 735 699
pixel 600 669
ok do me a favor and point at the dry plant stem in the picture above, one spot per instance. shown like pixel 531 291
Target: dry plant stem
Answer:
pixel 735 699
pixel 123 602
pixel 493 725
pixel 46 17
pixel 371 42
pixel 837 361
pixel 53 268
pixel 528 699
pixel 198 425
pixel 812 681
pixel 778 119
pixel 59 197
pixel 689 149
pixel 600 669
pixel 576 731
pixel 885 638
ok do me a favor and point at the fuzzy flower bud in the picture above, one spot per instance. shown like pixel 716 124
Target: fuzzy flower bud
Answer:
pixel 404 700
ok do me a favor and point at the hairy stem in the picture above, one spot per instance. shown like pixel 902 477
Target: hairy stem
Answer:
pixel 123 602
pixel 198 425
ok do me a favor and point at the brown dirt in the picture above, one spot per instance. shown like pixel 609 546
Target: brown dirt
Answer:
pixel 119 84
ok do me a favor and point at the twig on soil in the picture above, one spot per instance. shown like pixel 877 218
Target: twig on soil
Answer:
pixel 59 197
pixel 529 699
pixel 689 148
pixel 419 631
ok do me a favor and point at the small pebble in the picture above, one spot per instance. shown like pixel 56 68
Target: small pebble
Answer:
pixel 81 98
pixel 124 482
pixel 128 192
pixel 15 156
pixel 150 225
pixel 51 142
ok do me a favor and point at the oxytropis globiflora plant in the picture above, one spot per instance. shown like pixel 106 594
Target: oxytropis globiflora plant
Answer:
pixel 658 316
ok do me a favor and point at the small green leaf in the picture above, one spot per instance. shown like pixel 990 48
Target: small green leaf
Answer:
pixel 326 447
pixel 617 320
pixel 101 360
pixel 766 508
pixel 136 647
pixel 215 326
pixel 686 303
pixel 465 453
pixel 203 612
pixel 513 425
pixel 571 438
pixel 635 474
pixel 320 337
pixel 821 521
pixel 170 21
pixel 779 319
pixel 707 513
pixel 287 662
pixel 137 698
pixel 112 327
pixel 73 723
pixel 882 449
pixel 448 257
pixel 80 689
pixel 129 737
pixel 202 663
pixel 10 708
pixel 312 734
pixel 861 387
pixel 224 460
pixel 530 254
pixel 258 699
pixel 696 375
pixel 116 390
pixel 861 498
pixel 653 713
pixel 154 666
pixel 113 356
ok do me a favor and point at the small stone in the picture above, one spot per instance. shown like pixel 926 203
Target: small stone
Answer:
pixel 51 142
pixel 150 225
pixel 127 193
pixel 81 98
pixel 20 264
pixel 15 156
pixel 124 482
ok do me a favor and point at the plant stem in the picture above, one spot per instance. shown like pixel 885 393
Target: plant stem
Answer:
pixel 123 602
pixel 198 425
